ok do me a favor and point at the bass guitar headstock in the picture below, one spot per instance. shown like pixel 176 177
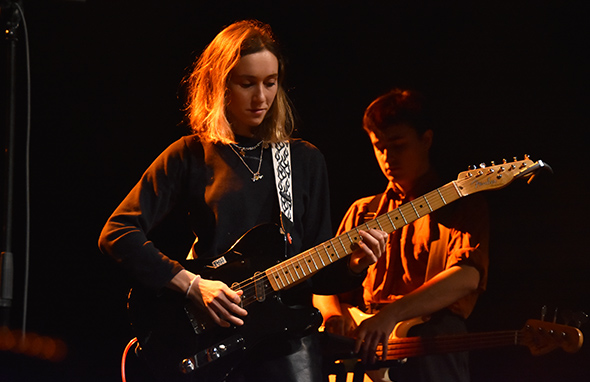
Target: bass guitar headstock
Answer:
pixel 541 337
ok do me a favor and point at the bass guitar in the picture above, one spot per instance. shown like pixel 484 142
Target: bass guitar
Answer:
pixel 179 340
pixel 541 337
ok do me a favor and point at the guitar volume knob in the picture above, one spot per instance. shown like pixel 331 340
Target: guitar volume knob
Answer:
pixel 187 366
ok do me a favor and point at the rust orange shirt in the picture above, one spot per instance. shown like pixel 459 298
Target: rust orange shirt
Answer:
pixel 457 233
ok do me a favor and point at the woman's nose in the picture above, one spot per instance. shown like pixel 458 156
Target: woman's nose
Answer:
pixel 258 95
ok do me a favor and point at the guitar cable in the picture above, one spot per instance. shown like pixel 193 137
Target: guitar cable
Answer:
pixel 124 358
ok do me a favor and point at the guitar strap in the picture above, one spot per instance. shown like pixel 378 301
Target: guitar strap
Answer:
pixel 281 157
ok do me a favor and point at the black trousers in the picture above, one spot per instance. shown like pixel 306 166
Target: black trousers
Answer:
pixel 450 367
pixel 282 360
pixel 292 360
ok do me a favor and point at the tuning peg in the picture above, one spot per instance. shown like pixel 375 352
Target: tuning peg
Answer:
pixel 493 163
pixel 527 157
pixel 543 312
pixel 482 165
pixel 580 318
pixel 567 316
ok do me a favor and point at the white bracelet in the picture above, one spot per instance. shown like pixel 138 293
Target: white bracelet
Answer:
pixel 188 290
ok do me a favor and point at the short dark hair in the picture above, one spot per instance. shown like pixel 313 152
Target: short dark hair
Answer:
pixel 398 107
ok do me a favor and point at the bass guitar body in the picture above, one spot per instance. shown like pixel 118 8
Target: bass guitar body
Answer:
pixel 180 342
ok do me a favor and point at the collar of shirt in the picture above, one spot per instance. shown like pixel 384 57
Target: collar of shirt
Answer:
pixel 424 184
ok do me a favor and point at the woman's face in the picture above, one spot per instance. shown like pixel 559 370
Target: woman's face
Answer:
pixel 252 88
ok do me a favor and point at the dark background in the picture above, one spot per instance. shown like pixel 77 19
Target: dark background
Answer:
pixel 507 78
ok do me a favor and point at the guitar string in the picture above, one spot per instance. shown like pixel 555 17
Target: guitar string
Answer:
pixel 405 347
pixel 249 285
pixel 295 261
pixel 404 210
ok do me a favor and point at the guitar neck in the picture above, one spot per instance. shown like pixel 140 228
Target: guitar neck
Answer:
pixel 540 337
pixel 304 265
pixel 418 346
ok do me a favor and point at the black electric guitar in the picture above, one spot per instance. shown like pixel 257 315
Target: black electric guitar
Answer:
pixel 178 339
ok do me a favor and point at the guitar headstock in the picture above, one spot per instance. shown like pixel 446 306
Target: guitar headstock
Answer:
pixel 493 177
pixel 541 337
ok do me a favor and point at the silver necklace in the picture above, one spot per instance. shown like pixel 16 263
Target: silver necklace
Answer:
pixel 244 149
pixel 255 175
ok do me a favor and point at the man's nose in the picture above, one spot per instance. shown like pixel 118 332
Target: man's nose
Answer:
pixel 389 154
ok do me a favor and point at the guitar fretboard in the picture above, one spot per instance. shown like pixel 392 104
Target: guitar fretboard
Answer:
pixel 417 346
pixel 540 337
pixel 304 265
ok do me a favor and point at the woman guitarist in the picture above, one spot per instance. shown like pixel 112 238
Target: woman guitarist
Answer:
pixel 223 176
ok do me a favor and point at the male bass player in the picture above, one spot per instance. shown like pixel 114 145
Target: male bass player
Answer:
pixel 434 267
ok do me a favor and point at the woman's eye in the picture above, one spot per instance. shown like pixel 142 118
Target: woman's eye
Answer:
pixel 270 84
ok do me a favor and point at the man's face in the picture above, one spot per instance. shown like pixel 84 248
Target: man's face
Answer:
pixel 402 153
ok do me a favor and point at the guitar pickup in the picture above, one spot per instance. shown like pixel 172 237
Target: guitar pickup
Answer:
pixel 259 285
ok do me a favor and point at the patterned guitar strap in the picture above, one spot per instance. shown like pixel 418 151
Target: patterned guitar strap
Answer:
pixel 281 157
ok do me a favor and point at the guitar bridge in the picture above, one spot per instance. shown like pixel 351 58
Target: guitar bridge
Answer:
pixel 197 319
pixel 211 354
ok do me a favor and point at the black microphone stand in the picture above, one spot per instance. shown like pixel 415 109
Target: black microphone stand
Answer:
pixel 13 21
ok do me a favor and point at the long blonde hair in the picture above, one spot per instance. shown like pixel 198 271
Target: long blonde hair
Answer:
pixel 207 85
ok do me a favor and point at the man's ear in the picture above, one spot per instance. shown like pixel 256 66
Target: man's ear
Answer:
pixel 427 138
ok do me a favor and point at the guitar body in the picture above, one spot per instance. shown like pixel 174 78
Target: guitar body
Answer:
pixel 539 336
pixel 401 328
pixel 180 342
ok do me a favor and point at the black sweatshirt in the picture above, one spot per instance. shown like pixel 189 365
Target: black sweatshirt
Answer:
pixel 211 184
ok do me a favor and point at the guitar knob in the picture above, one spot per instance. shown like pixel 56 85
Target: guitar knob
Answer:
pixel 187 366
